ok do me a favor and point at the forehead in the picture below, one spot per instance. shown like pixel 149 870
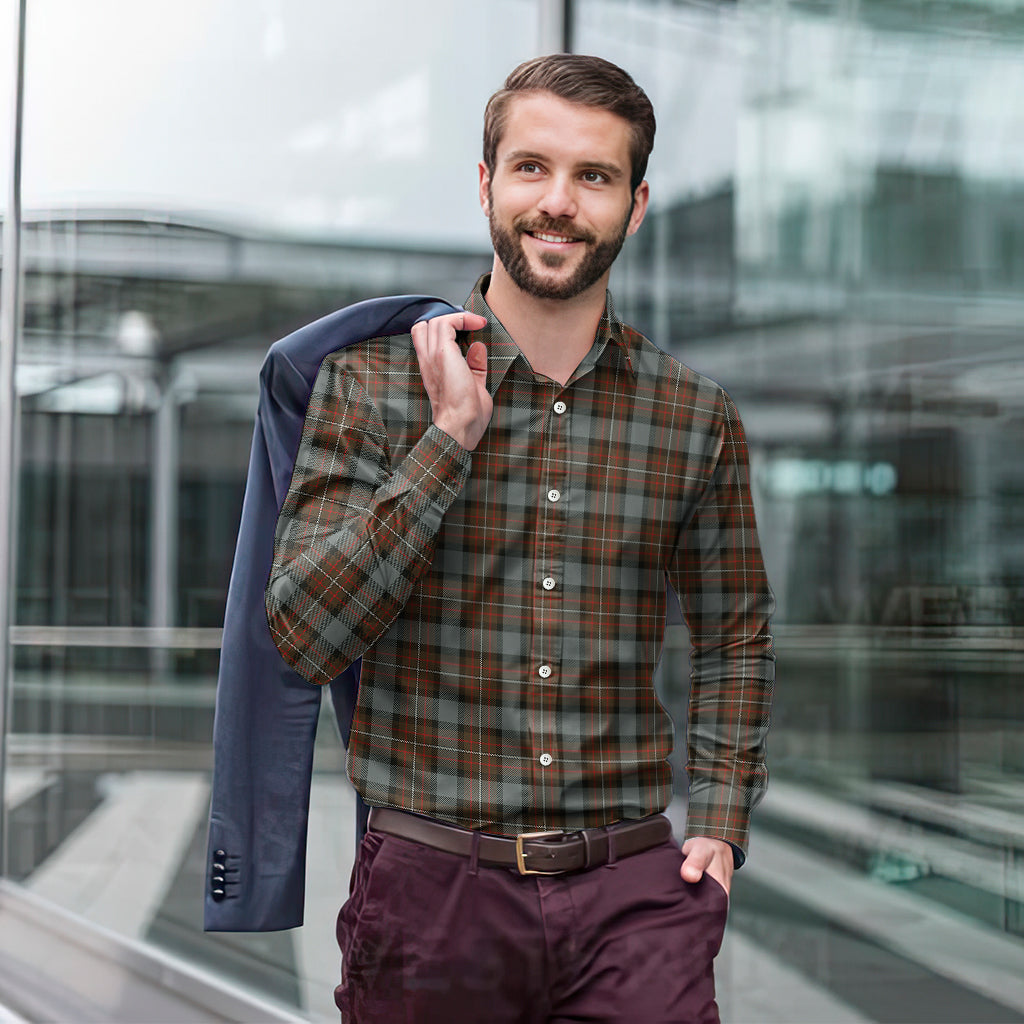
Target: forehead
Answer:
pixel 542 123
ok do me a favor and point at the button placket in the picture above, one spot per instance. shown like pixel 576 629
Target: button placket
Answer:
pixel 549 566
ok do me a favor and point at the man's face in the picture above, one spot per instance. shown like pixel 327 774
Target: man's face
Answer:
pixel 559 203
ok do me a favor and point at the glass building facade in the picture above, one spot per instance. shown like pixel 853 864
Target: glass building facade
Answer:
pixel 836 235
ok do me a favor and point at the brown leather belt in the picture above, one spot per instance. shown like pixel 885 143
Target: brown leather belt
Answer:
pixel 531 853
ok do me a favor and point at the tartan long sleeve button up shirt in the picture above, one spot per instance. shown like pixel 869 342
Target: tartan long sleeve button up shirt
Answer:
pixel 509 604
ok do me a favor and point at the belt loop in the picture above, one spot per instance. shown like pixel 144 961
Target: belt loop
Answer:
pixel 586 848
pixel 610 833
pixel 474 853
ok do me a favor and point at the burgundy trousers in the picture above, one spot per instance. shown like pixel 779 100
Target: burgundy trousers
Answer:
pixel 429 937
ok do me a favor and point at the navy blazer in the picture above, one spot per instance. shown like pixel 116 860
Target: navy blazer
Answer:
pixel 266 714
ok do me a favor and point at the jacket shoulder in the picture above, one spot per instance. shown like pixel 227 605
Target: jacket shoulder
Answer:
pixel 388 315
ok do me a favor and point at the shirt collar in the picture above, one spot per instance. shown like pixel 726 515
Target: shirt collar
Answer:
pixel 502 351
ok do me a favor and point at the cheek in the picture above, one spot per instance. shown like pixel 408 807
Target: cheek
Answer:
pixel 515 197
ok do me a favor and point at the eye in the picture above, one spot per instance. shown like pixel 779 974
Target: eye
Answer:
pixel 529 167
pixel 594 177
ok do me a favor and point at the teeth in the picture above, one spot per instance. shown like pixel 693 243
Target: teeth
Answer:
pixel 551 238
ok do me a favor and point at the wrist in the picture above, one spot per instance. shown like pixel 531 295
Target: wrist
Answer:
pixel 457 432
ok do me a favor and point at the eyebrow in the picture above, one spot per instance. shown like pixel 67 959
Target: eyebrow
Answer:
pixel 613 171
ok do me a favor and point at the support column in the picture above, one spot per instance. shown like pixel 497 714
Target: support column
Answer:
pixel 163 545
pixel 554 26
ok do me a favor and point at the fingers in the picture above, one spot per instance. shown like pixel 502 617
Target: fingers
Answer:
pixel 473 321
pixel 449 323
pixel 431 336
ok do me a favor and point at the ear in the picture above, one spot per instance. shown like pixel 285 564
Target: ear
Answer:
pixel 641 197
pixel 485 182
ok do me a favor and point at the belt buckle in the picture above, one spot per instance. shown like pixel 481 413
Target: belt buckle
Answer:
pixel 521 854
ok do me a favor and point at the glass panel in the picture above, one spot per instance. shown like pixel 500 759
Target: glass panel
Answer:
pixel 200 179
pixel 836 236
pixel 8 56
pixel 8 26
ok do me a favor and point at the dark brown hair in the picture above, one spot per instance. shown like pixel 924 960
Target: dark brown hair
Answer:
pixel 591 81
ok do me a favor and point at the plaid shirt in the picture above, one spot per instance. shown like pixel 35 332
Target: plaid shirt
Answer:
pixel 509 604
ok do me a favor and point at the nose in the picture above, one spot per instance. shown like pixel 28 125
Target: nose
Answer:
pixel 559 199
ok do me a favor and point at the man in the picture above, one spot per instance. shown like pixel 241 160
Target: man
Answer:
pixel 488 514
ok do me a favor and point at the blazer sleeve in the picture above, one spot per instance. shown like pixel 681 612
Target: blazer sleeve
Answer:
pixel 266 713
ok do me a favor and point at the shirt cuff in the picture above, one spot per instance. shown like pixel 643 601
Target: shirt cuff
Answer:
pixel 720 811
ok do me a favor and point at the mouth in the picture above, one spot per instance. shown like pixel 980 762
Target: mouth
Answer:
pixel 546 236
pixel 553 242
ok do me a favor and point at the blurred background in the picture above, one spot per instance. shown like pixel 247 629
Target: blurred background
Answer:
pixel 836 235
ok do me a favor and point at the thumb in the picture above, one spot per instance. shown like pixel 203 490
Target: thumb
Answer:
pixel 694 864
pixel 477 356
pixel 691 870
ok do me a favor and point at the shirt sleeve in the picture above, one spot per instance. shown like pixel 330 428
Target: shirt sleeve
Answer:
pixel 354 533
pixel 718 573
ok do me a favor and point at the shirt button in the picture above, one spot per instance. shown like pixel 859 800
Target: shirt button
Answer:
pixel 554 494
pixel 560 407
pixel 544 671
pixel 546 759
pixel 548 583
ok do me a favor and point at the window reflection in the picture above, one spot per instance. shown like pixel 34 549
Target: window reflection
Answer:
pixel 853 279
pixel 199 181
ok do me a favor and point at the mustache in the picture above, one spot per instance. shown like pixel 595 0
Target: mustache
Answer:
pixel 552 226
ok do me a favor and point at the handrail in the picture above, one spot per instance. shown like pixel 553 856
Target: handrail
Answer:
pixel 168 637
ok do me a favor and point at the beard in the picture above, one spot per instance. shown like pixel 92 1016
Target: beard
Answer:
pixel 599 255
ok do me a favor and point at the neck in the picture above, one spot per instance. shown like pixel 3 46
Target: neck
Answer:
pixel 553 334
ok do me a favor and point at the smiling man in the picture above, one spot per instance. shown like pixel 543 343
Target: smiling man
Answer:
pixel 488 514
